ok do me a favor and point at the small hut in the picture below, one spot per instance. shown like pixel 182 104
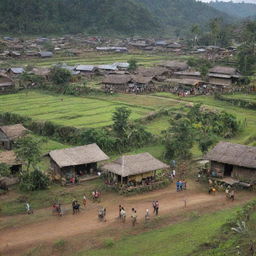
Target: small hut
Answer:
pixel 233 160
pixel 174 65
pixel 6 84
pixel 117 83
pixel 223 76
pixel 133 168
pixel 10 133
pixel 77 161
pixel 9 158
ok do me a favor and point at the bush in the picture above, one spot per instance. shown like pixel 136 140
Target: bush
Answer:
pixel 108 242
pixel 60 75
pixel 36 180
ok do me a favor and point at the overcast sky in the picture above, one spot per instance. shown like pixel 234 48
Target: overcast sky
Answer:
pixel 235 1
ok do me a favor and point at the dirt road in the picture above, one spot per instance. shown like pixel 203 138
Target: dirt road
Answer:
pixel 86 221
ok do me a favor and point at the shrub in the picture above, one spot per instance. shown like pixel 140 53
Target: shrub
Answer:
pixel 60 76
pixel 36 180
pixel 108 242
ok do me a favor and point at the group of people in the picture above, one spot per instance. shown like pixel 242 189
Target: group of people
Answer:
pixel 122 213
pixel 181 185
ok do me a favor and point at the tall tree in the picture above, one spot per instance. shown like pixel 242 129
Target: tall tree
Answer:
pixel 28 150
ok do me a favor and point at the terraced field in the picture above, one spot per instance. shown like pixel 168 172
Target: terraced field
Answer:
pixel 93 59
pixel 67 110
pixel 78 111
pixel 248 97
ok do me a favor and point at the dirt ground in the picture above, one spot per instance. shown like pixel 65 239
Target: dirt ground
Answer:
pixel 26 235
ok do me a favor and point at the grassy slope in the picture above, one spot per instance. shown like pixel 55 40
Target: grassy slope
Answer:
pixel 176 240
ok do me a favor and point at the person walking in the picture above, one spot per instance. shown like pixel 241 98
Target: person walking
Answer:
pixel 123 215
pixel 134 217
pixel 84 200
pixel 28 208
pixel 147 215
pixel 157 207
pixel 154 206
pixel 177 186
pixel 173 173
pixel 119 211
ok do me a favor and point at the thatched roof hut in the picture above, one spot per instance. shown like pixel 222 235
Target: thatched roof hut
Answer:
pixel 233 154
pixel 233 160
pixel 78 155
pixel 116 79
pixel 9 158
pixel 174 65
pixel 13 132
pixel 131 165
pixel 223 70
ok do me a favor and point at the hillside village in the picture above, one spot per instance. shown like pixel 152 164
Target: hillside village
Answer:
pixel 136 143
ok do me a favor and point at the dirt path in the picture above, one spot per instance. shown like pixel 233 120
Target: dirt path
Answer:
pixel 56 228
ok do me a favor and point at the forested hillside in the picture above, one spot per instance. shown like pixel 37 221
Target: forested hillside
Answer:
pixel 242 10
pixel 103 16
pixel 183 13
pixel 73 16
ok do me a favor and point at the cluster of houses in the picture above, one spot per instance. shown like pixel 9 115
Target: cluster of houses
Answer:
pixel 170 76
pixel 82 161
pixel 228 161
pixel 175 77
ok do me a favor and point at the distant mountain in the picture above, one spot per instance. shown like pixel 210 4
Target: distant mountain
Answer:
pixel 241 10
pixel 125 17
pixel 183 13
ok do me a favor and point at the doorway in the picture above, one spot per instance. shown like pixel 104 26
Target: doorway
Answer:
pixel 228 169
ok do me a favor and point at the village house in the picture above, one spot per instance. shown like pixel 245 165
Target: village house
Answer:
pixel 116 83
pixel 133 169
pixel 184 86
pixel 141 84
pixel 6 84
pixel 15 71
pixel 45 54
pixel 223 76
pixel 174 66
pixel 233 160
pixel 77 161
pixel 86 69
pixel 9 158
pixel 157 73
pixel 187 75
pixel 10 133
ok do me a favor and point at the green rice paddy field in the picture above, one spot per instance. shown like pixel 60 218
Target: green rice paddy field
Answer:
pixel 78 111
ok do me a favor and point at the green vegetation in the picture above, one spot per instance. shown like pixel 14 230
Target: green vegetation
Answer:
pixel 65 16
pixel 66 110
pixel 60 76
pixel 176 240
pixel 107 17
pixel 35 180
pixel 241 10
pixel 28 150
pixel 4 170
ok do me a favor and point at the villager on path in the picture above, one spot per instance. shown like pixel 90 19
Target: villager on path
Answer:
pixel 123 215
pixel 147 215
pixel 84 200
pixel 154 206
pixel 134 216
pixel 157 207
pixel 28 208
